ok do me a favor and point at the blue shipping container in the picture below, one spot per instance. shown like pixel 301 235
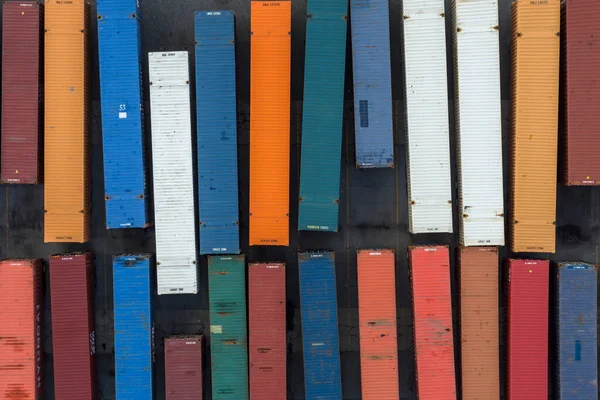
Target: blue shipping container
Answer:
pixel 119 51
pixel 320 340
pixel 217 132
pixel 372 83
pixel 134 327
pixel 576 331
pixel 322 115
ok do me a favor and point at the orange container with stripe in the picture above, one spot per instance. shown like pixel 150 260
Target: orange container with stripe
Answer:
pixel 535 75
pixel 67 117
pixel 270 122
pixel 377 322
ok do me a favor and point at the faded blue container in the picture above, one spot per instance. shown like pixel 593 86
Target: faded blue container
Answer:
pixel 322 116
pixel 119 50
pixel 576 331
pixel 217 132
pixel 134 327
pixel 373 123
pixel 320 340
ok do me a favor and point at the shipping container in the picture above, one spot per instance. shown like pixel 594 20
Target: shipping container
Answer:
pixel 266 305
pixel 228 327
pixel 120 59
pixel 134 327
pixel 183 367
pixel 534 134
pixel 22 73
pixel 173 173
pixel 478 122
pixel 373 125
pixel 217 132
pixel 426 113
pixel 479 329
pixel 322 115
pixel 270 58
pixel 377 324
pixel 576 331
pixel 432 326
pixel 21 350
pixel 320 337
pixel 527 330
pixel 73 326
pixel 67 115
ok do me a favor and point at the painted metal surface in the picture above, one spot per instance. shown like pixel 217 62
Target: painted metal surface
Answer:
pixel 134 327
pixel 228 327
pixel 217 132
pixel 320 337
pixel 372 83
pixel 173 174
pixel 478 122
pixel 183 367
pixel 120 59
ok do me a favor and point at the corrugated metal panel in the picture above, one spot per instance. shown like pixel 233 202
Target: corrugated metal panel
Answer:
pixel 320 337
pixel 527 334
pixel 134 327
pixel 173 173
pixel 479 331
pixel 478 122
pixel 377 322
pixel 22 30
pixel 228 327
pixel 432 314
pixel 322 115
pixel 577 361
pixel 73 326
pixel 535 65
pixel 270 58
pixel 427 127
pixel 373 124
pixel 266 305
pixel 67 122
pixel 183 367
pixel 120 59
pixel 21 353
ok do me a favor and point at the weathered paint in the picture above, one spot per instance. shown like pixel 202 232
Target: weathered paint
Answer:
pixel 183 367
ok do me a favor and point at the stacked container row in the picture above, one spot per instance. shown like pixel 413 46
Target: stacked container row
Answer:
pixel 183 367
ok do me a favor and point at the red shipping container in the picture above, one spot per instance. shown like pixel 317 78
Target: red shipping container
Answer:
pixel 20 329
pixel 267 347
pixel 183 368
pixel 432 315
pixel 527 333
pixel 22 30
pixel 73 333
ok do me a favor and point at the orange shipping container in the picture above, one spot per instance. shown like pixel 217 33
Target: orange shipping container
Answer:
pixel 535 74
pixel 270 122
pixel 377 322
pixel 66 139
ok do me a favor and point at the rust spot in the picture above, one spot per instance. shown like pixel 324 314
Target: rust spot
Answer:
pixel 132 15
pixel 465 215
pixel 264 349
pixel 406 17
pixel 442 15
pixel 557 33
pixel 496 27
pixel 301 198
pixel 336 201
pixel 141 196
pixel 222 273
pixel 345 17
pixel 106 197
pixel 380 357
pixel 223 314
pixel 580 319
pixel 233 341
pixel 500 215
pixel 99 17
pixel 16 393
pixel 412 202
pixel 458 29
pixel 309 16
pixel 519 34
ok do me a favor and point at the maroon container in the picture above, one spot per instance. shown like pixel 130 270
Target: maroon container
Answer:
pixel 73 333
pixel 22 60
pixel 183 368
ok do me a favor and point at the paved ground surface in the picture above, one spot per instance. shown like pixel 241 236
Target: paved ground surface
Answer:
pixel 373 209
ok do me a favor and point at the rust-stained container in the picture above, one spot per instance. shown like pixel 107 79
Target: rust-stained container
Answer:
pixel 479 332
pixel 20 329
pixel 22 30
pixel 67 117
pixel 432 314
pixel 73 326
pixel 183 367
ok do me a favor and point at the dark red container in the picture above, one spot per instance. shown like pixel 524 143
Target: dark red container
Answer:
pixel 183 368
pixel 267 347
pixel 22 30
pixel 73 333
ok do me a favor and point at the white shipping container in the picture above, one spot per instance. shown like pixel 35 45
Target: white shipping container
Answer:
pixel 426 94
pixel 478 122
pixel 173 173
